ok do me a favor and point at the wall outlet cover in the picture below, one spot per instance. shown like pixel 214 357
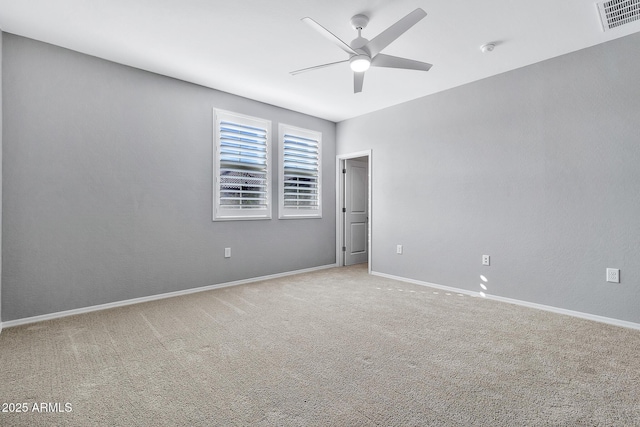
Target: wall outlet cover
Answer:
pixel 613 275
pixel 486 260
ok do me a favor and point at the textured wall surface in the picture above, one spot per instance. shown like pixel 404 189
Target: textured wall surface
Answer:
pixel 538 167
pixel 1 83
pixel 108 186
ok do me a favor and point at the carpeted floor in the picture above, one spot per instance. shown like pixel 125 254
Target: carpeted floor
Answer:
pixel 331 348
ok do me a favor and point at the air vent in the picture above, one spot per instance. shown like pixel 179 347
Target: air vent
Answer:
pixel 615 13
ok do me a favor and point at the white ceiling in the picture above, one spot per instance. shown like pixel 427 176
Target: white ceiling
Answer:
pixel 248 47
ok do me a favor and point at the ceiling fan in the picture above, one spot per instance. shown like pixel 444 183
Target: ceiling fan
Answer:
pixel 364 53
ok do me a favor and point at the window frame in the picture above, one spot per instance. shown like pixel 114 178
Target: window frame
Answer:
pixel 221 212
pixel 297 213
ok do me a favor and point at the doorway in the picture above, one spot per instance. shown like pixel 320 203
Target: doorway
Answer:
pixel 353 195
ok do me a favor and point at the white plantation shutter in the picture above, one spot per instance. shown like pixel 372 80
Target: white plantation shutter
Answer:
pixel 300 173
pixel 242 171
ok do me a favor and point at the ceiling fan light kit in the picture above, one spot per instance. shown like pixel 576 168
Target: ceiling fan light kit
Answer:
pixel 360 63
pixel 365 53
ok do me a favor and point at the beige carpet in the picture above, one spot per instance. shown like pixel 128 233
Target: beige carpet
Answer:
pixel 330 348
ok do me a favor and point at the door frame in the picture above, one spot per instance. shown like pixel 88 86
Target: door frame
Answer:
pixel 340 164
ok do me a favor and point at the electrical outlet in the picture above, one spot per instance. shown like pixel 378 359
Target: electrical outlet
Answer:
pixel 486 260
pixel 227 252
pixel 613 275
pixel 399 249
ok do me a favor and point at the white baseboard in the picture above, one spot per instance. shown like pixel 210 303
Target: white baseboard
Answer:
pixel 76 311
pixel 588 316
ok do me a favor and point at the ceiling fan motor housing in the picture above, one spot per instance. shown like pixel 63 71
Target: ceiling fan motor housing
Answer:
pixel 358 44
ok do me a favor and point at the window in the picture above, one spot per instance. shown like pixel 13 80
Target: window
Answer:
pixel 242 184
pixel 300 180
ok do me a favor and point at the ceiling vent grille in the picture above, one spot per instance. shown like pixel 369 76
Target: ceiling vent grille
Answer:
pixel 615 13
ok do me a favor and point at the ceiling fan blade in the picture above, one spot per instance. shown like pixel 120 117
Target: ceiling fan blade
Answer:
pixel 358 79
pixel 329 35
pixel 317 67
pixel 382 60
pixel 385 38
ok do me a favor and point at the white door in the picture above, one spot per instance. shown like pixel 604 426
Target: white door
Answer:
pixel 356 214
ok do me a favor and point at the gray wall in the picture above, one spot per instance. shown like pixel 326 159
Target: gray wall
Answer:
pixel 1 83
pixel 108 182
pixel 538 167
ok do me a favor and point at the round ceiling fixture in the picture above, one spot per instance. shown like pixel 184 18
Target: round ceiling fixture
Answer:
pixel 485 48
